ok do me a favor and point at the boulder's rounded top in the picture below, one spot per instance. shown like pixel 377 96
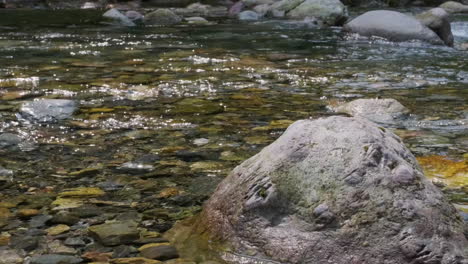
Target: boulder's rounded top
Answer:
pixel 331 182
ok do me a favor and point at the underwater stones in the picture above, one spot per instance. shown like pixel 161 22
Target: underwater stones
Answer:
pixel 293 202
pixel 159 251
pixel 5 175
pixel 453 7
pixel 453 173
pixel 437 20
pixel 8 256
pixel 392 25
pixel 328 12
pixel 57 230
pixel 55 259
pixel 115 233
pixel 48 110
pixel 136 168
pixel 118 18
pixel 384 111
pixel 197 106
pixel 162 17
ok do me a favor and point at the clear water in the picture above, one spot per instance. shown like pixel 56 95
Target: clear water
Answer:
pixel 195 101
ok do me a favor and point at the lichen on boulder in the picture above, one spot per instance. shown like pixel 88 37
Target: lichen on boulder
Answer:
pixel 332 190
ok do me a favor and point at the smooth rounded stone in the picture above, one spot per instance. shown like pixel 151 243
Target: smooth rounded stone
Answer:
pixel 123 251
pixel 27 213
pixel 454 7
pixel 25 242
pixel 55 259
pixel 162 17
pixel 280 8
pixel 57 247
pixel 262 10
pixel 115 233
pixel 385 111
pixel 331 190
pixel 328 12
pixel 136 168
pixel 201 141
pixel 159 251
pixel 48 110
pixel 118 18
pixel 57 230
pixel 248 15
pixel 74 242
pixel 8 256
pixel 196 20
pixel 5 174
pixel 437 19
pixel 39 221
pixel 90 5
pixel 134 16
pixel 392 25
pixel 65 217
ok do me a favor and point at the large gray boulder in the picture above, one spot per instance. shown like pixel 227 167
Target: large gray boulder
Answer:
pixel 384 111
pixel 437 19
pixel 329 12
pixel 392 25
pixel 48 110
pixel 454 7
pixel 333 190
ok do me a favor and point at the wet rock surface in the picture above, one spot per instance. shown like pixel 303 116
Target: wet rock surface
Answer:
pixel 48 110
pixel 383 111
pixel 437 19
pixel 162 17
pixel 331 182
pixel 190 102
pixel 391 25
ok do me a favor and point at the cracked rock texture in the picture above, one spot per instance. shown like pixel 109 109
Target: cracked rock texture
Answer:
pixel 334 190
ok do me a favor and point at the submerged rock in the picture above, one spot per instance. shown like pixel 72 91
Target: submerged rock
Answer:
pixel 55 259
pixel 48 110
pixel 162 17
pixel 437 19
pixel 385 111
pixel 328 12
pixel 115 233
pixel 392 25
pixel 332 190
pixel 118 18
pixel 454 7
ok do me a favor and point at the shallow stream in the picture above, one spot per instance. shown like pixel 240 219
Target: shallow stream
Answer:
pixel 165 113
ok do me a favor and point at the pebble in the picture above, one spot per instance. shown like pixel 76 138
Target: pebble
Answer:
pixel 27 213
pixel 57 230
pixel 115 233
pixel 10 257
pixel 160 251
pixel 201 141
pixel 55 259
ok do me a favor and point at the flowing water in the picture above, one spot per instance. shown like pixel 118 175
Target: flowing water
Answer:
pixel 166 112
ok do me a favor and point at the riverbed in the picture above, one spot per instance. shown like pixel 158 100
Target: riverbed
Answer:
pixel 165 113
